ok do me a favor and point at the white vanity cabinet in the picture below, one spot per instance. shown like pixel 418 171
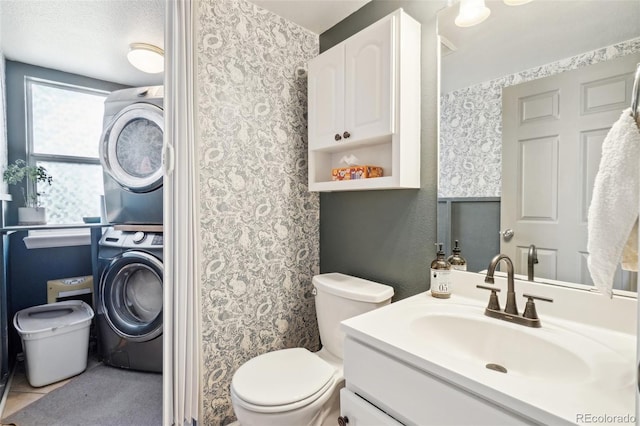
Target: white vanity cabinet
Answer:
pixel 382 390
pixel 428 361
pixel 364 100
pixel 355 411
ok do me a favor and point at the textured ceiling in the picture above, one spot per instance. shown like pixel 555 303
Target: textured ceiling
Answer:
pixel 315 15
pixel 91 37
pixel 513 39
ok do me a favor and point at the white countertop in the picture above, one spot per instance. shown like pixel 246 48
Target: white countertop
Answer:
pixel 600 322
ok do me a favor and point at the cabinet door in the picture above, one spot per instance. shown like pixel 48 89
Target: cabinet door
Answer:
pixel 369 92
pixel 326 97
pixel 359 412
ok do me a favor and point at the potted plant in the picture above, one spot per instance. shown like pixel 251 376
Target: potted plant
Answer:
pixel 32 213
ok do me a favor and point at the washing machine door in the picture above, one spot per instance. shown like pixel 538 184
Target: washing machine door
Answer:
pixel 131 148
pixel 131 295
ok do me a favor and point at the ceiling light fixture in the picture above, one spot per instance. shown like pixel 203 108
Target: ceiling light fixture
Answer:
pixel 515 2
pixel 146 57
pixel 471 13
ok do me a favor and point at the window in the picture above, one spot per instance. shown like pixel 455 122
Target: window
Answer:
pixel 64 125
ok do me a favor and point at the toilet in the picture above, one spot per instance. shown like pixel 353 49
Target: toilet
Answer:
pixel 295 386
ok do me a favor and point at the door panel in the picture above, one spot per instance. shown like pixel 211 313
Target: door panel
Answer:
pixel 369 81
pixel 590 151
pixel 544 106
pixel 538 179
pixel 553 129
pixel 326 96
pixel 608 94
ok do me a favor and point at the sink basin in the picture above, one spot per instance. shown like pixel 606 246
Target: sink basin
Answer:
pixel 548 354
pixel 577 362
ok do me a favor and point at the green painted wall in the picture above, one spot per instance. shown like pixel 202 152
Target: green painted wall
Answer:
pixel 388 236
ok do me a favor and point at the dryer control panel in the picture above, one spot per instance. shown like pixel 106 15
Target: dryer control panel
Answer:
pixel 112 238
pixel 142 239
pixel 132 239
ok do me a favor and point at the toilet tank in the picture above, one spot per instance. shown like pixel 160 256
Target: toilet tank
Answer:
pixel 340 297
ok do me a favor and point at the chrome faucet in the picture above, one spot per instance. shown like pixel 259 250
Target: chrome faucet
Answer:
pixel 532 258
pixel 529 317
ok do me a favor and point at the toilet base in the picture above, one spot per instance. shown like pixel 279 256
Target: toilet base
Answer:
pixel 322 412
pixel 333 408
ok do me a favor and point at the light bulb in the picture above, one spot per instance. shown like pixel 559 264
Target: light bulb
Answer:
pixel 471 13
pixel 515 2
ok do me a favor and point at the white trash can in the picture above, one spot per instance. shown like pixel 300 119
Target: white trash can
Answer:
pixel 55 340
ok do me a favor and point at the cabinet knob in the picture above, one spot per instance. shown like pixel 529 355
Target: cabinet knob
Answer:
pixel 343 420
pixel 346 135
pixel 337 136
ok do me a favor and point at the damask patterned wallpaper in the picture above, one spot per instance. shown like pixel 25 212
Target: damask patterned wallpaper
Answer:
pixel 471 125
pixel 260 225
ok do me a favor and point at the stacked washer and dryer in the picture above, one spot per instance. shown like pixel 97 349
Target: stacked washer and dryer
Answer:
pixel 129 293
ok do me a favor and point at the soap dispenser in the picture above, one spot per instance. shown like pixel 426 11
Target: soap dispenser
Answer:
pixel 440 276
pixel 457 262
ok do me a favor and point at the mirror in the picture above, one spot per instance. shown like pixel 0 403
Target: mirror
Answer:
pixel 516 45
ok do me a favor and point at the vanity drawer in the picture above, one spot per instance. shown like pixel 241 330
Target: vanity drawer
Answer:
pixel 360 413
pixel 413 396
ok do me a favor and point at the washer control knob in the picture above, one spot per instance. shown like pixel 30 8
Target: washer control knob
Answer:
pixel 139 237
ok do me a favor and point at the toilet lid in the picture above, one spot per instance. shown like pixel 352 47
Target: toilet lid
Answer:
pixel 281 377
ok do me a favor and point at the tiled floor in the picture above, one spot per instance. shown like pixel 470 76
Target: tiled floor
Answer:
pixel 21 393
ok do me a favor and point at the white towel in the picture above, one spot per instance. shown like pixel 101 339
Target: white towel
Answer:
pixel 630 251
pixel 614 205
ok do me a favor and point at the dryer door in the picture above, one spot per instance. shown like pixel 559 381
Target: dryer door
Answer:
pixel 131 150
pixel 131 295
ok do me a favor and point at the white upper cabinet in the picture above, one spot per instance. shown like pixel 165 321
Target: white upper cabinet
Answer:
pixel 369 88
pixel 326 88
pixel 357 91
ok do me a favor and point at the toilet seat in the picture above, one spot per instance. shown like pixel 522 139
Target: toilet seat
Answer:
pixel 282 380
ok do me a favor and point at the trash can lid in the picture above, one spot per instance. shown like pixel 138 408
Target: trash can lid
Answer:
pixel 53 315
